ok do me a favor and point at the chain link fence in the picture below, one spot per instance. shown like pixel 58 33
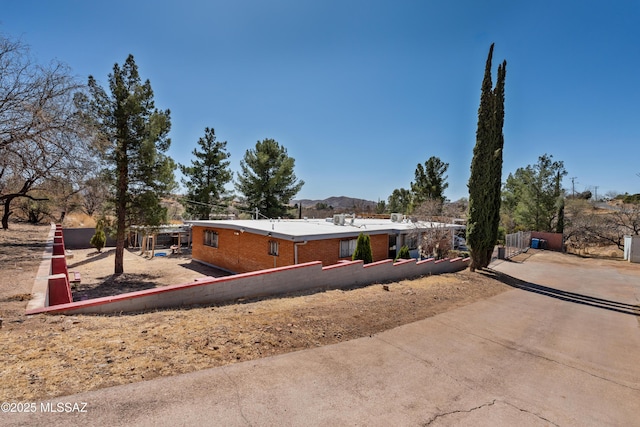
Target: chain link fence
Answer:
pixel 517 243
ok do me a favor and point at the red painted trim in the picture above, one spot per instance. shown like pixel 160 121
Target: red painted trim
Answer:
pixel 146 292
pixel 405 261
pixel 59 291
pixel 342 264
pixel 384 261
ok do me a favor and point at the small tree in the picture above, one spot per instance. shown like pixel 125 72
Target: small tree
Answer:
pixel 99 239
pixel 363 249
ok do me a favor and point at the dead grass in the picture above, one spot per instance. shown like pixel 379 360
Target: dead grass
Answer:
pixel 45 356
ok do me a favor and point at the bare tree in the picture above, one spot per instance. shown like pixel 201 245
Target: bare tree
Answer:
pixel 42 139
pixel 590 227
pixel 95 193
pixel 432 232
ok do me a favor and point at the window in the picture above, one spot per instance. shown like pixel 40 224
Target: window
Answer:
pixel 347 247
pixel 210 238
pixel 411 240
pixel 273 247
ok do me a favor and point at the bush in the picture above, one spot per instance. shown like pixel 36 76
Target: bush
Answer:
pixel 404 253
pixel 363 249
pixel 99 239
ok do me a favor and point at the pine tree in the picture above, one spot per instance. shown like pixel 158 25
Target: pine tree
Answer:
pixel 207 175
pixel 399 201
pixel 132 137
pixel 430 181
pixel 533 196
pixel 363 249
pixel 267 179
pixel 486 169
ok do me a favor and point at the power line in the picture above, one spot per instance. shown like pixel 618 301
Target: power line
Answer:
pixel 573 185
pixel 253 212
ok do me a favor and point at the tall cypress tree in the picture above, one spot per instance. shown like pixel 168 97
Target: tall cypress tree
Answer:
pixel 486 169
pixel 497 141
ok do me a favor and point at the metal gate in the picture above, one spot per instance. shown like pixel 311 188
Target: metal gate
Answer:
pixel 516 243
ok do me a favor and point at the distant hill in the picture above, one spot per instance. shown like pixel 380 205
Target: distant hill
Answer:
pixel 338 203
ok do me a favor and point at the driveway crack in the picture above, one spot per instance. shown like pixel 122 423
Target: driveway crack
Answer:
pixel 459 411
pixel 237 393
pixel 531 413
pixel 485 405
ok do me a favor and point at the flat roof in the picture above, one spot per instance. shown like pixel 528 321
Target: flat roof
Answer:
pixel 299 230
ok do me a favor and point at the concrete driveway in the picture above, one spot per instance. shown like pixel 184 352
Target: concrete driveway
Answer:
pixel 561 348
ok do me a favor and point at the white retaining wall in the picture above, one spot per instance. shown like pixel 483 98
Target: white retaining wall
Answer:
pixel 261 283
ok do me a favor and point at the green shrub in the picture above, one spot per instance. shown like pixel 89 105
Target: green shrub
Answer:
pixel 363 249
pixel 404 253
pixel 99 239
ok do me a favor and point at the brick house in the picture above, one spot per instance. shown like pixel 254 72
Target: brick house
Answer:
pixel 240 246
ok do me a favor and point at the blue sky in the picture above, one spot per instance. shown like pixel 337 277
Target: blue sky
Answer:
pixel 361 91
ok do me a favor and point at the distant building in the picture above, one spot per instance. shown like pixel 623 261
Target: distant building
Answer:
pixel 241 246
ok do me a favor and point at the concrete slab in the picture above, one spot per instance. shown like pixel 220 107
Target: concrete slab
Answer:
pixel 566 356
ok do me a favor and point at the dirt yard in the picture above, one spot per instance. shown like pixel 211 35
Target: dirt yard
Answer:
pixel 45 356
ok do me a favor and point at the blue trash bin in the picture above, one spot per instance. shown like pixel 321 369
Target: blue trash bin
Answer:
pixel 535 243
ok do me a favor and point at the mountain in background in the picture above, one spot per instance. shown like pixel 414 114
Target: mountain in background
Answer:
pixel 338 203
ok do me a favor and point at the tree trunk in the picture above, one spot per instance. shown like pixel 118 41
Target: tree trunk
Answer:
pixel 477 260
pixel 7 213
pixel 121 207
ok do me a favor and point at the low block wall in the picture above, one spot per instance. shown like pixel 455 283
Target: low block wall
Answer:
pixel 78 238
pixel 554 240
pixel 260 283
pixel 51 285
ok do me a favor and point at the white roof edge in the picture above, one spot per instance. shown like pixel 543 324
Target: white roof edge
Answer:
pixel 299 230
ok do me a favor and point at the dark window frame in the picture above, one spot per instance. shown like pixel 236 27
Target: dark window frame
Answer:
pixel 211 238
pixel 274 248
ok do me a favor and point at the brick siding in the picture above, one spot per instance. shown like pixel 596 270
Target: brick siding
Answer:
pixel 243 252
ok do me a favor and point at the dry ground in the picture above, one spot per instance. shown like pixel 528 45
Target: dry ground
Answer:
pixel 44 356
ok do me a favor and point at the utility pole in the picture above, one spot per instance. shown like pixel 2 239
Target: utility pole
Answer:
pixel 596 188
pixel 573 186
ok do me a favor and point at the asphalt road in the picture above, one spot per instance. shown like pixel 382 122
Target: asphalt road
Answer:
pixel 561 348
